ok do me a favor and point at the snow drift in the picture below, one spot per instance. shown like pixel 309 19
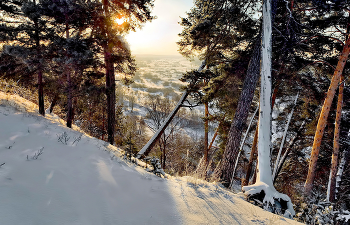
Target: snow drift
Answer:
pixel 55 175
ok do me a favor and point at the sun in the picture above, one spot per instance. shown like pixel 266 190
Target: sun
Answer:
pixel 119 21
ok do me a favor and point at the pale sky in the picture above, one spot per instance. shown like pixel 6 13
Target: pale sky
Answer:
pixel 159 36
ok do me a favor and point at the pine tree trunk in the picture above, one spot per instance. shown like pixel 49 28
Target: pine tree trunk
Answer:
pixel 242 144
pixel 69 102
pixel 333 173
pixel 69 83
pixel 241 114
pixel 206 133
pixel 322 121
pixel 110 80
pixel 40 73
pixel 41 93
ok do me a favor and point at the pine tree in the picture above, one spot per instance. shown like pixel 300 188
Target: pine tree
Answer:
pixel 115 50
pixel 26 29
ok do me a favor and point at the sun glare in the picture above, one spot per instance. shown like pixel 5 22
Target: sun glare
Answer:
pixel 119 21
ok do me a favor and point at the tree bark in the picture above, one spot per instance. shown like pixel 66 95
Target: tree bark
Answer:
pixel 242 144
pixel 333 172
pixel 69 83
pixel 322 121
pixel 40 73
pixel 206 132
pixel 241 114
pixel 110 80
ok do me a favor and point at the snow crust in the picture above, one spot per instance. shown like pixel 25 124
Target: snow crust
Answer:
pixel 82 180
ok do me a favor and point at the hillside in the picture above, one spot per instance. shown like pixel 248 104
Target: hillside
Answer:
pixel 55 175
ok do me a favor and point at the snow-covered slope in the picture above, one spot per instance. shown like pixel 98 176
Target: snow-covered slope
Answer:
pixel 55 175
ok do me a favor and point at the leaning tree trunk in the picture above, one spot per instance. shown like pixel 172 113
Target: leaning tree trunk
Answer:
pixel 148 147
pixel 322 121
pixel 242 144
pixel 333 173
pixel 241 114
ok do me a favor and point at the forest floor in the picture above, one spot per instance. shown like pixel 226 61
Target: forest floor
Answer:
pixel 51 174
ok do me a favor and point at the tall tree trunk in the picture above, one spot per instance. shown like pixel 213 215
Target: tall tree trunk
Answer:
pixel 264 135
pixel 40 73
pixel 322 121
pixel 333 173
pixel 206 131
pixel 69 83
pixel 110 80
pixel 241 114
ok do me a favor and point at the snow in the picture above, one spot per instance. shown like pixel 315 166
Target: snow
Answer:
pixel 82 180
pixel 264 178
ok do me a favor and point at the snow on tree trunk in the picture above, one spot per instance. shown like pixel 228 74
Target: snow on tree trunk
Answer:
pixel 284 137
pixel 147 148
pixel 341 169
pixel 264 183
pixel 322 121
pixel 332 174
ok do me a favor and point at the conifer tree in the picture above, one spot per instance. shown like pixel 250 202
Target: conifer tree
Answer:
pixel 115 50
pixel 25 27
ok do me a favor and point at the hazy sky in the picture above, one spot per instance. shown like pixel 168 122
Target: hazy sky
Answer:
pixel 159 36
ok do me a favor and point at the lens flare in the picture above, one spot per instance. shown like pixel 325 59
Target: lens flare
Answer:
pixel 119 21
